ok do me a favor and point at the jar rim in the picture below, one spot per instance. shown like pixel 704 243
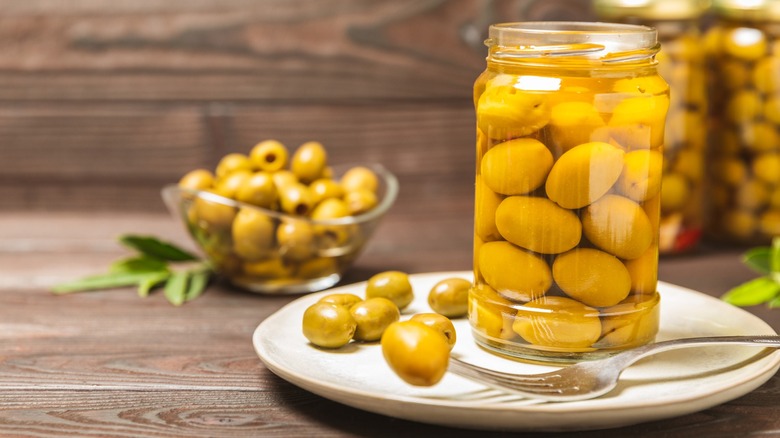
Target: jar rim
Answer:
pixel 581 40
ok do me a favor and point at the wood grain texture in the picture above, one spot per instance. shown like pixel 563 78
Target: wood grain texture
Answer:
pixel 111 364
pixel 103 103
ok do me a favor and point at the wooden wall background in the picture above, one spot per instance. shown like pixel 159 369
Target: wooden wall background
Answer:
pixel 103 102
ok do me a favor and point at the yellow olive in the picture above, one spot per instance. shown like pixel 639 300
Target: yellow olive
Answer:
pixel 360 201
pixel 269 268
pixel 284 178
pixel 258 189
pixel 417 353
pixel 771 109
pixel 332 236
pixel 644 272
pixel 573 123
pixel 740 224
pixel 538 224
pixel 490 313
pixel 198 179
pixel 760 136
pixel 214 215
pixel 769 223
pixel 328 325
pixel 309 161
pixel 318 267
pixel 743 106
pixel 558 323
pixel 731 171
pixel 752 195
pixel 330 208
pixel 516 167
pixel 486 202
pixel 269 156
pixel 584 174
pixel 231 163
pixel 449 297
pixel 766 167
pixel 393 285
pixel 766 75
pixel 295 199
pixel 630 323
pixel 359 177
pixel 638 122
pixel 343 299
pixel 295 240
pixel 744 43
pixel 229 185
pixel 675 192
pixel 641 176
pixel 592 277
pixel 323 189
pixel 512 272
pixel 618 226
pixel 253 234
pixel 373 316
pixel 505 112
pixel 440 323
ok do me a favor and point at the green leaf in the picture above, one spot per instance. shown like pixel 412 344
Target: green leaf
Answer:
pixel 198 282
pixel 176 288
pixel 148 283
pixel 753 292
pixel 758 259
pixel 774 303
pixel 774 261
pixel 154 247
pixel 102 281
pixel 139 264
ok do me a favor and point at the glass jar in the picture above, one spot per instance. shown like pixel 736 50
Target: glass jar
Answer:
pixel 570 128
pixel 744 174
pixel 682 64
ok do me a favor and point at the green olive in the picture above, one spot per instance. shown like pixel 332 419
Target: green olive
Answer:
pixel 295 240
pixel 230 184
pixel 269 155
pixel 328 325
pixel 268 268
pixel 346 300
pixel 325 188
pixel 359 177
pixel 373 316
pixel 417 353
pixel 231 163
pixel 512 272
pixel 284 178
pixel 318 267
pixel 258 189
pixel 558 322
pixel 253 234
pixel 213 215
pixel 393 285
pixel 440 323
pixel 330 208
pixel 309 161
pixel 198 179
pixel 360 201
pixel 517 166
pixel 295 199
pixel 449 297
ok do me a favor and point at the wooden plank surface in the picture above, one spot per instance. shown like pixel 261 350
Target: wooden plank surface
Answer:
pixel 101 103
pixel 112 364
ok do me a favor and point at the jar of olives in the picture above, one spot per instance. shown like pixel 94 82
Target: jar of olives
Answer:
pixel 682 64
pixel 570 128
pixel 744 50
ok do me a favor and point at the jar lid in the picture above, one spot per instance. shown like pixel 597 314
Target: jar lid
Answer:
pixel 754 10
pixel 651 9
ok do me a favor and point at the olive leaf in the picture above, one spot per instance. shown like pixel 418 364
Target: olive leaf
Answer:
pixel 758 259
pixel 102 281
pixel 153 247
pixel 148 269
pixel 760 290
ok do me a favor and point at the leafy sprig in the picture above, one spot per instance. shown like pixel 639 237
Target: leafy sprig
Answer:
pixel 182 275
pixel 765 289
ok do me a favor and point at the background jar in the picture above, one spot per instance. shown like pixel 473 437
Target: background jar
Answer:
pixel 681 62
pixel 570 128
pixel 743 47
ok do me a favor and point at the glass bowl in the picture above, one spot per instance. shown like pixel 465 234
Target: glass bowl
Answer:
pixel 313 256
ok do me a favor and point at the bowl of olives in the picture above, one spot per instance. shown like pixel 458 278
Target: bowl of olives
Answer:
pixel 271 222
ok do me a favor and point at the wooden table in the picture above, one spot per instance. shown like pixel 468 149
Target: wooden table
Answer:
pixel 112 364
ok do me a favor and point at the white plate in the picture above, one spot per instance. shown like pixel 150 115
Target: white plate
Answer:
pixel 662 386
